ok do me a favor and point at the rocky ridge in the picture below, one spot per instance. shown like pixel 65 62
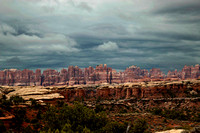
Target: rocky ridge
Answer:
pixel 136 98
pixel 101 74
pixel 157 90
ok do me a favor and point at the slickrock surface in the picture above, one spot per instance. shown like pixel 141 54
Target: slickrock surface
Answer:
pixel 174 131
pixel 44 96
pixel 38 93
pixel 100 74
pixel 193 130
pixel 24 91
pixel 159 90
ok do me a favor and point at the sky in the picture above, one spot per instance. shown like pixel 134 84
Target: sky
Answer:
pixel 55 34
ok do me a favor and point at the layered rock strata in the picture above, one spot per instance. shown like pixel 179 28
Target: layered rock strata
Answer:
pixel 160 90
pixel 100 74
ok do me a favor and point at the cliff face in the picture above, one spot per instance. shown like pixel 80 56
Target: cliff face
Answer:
pixel 148 90
pixel 140 90
pixel 100 74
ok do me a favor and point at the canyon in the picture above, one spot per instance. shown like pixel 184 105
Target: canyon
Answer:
pixel 101 74
pixel 156 90
pixel 123 101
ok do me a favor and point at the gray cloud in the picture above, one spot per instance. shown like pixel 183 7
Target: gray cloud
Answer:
pixel 48 43
pixel 58 33
pixel 85 6
pixel 181 8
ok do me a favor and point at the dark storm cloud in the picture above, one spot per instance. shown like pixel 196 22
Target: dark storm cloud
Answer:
pixel 58 33
pixel 175 36
pixel 181 8
pixel 15 61
pixel 181 11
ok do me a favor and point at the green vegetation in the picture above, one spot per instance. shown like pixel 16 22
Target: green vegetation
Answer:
pixel 16 99
pixel 80 119
pixel 5 104
pixel 139 126
pixel 114 127
pixel 34 104
pixel 171 114
pixel 73 118
pixel 20 116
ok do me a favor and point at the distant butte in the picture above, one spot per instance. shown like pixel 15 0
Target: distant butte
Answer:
pixel 100 74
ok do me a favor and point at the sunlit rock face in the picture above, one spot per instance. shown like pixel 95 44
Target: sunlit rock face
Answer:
pixel 101 74
pixel 174 131
pixel 160 90
pixel 140 90
pixel 28 92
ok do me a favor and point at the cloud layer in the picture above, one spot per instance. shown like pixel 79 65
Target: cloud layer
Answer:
pixel 108 46
pixel 59 33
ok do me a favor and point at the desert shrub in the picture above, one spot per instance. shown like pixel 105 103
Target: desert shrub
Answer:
pixel 77 118
pixel 34 120
pixel 2 127
pixel 127 107
pixel 123 111
pixel 156 111
pixel 36 126
pixel 59 103
pixel 20 116
pixel 4 97
pixel 139 126
pixel 1 113
pixel 174 114
pixel 5 104
pixel 51 119
pixel 114 127
pixel 171 93
pixel 67 128
pixel 98 99
pixel 16 99
pixel 39 115
pixel 196 117
pixel 86 130
pixel 34 103
pixel 112 107
pixel 171 114
pixel 28 129
pixel 99 108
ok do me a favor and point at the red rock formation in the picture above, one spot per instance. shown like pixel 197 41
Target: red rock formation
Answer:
pixel 133 73
pixel 156 73
pixel 101 74
pixel 38 77
pixel 186 72
pixel 195 71
pixel 50 77
pixel 63 77
pixel 149 91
